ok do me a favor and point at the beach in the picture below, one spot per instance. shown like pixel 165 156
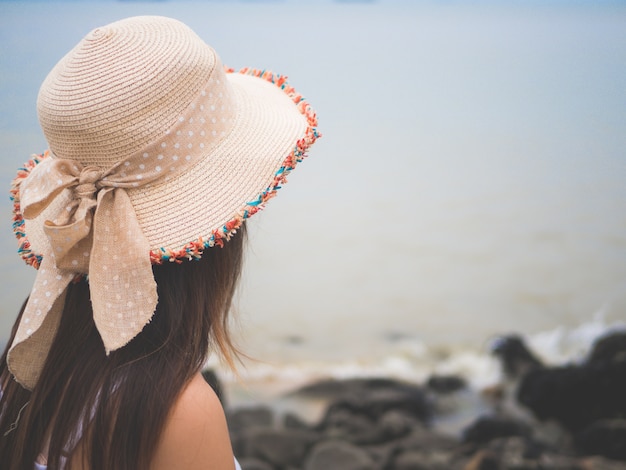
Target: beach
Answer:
pixel 535 416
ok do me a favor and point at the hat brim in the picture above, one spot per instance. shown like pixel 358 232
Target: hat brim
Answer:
pixel 205 205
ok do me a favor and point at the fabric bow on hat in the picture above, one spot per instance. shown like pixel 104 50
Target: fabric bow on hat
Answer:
pixel 97 234
pixel 136 101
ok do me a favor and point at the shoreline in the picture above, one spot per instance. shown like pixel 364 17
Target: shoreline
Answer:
pixel 378 423
pixel 410 360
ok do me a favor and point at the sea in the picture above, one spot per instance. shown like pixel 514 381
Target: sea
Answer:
pixel 470 181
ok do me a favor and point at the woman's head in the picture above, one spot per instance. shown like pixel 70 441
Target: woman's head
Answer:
pixel 134 218
pixel 157 154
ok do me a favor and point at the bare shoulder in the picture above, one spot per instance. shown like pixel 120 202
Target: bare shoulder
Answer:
pixel 195 434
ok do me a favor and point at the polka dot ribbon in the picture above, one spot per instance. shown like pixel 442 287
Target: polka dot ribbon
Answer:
pixel 98 234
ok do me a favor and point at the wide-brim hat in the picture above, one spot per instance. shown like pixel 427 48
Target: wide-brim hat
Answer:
pixel 155 146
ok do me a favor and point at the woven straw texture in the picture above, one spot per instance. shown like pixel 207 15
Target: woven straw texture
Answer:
pixel 157 153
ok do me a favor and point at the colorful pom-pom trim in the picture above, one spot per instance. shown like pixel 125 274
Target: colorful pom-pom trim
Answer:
pixel 23 248
pixel 194 249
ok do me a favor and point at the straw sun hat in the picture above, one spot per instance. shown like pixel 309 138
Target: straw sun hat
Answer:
pixel 157 152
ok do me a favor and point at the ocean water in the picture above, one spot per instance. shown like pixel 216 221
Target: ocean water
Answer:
pixel 470 181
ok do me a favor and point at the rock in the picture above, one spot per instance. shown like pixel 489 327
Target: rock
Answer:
pixel 373 403
pixel 511 454
pixel 445 383
pixel 600 463
pixel 238 443
pixel 516 452
pixel 336 389
pixel 394 424
pixel 361 430
pixel 576 396
pixel 280 448
pixel 431 445
pixel 243 419
pixel 381 454
pixel 293 421
pixel 611 347
pixel 421 460
pixel 552 461
pixel 606 438
pixel 515 356
pixel 376 424
pixel 358 428
pixel 353 426
pixel 428 440
pixel 329 455
pixel 375 396
pixel 375 412
pixel 573 395
pixel 487 428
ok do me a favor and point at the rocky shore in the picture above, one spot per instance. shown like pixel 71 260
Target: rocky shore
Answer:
pixel 570 417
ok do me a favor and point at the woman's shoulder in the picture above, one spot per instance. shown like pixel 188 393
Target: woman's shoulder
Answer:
pixel 195 435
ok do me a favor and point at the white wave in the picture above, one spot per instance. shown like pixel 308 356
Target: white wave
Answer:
pixel 416 363
pixel 561 345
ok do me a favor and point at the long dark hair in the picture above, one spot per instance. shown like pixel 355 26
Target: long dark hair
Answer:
pixel 110 410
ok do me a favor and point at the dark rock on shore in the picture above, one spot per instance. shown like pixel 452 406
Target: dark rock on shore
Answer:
pixel 384 424
pixel 390 435
pixel 372 400
pixel 576 396
pixel 611 347
pixel 604 437
pixel 244 419
pixel 445 384
pixel 487 428
pixel 588 399
pixel 339 454
pixel 515 357
pixel 368 424
pixel 279 448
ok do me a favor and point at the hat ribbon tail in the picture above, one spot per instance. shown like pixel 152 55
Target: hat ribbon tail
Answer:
pixel 98 237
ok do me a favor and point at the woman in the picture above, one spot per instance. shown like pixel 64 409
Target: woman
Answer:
pixel 157 157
